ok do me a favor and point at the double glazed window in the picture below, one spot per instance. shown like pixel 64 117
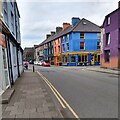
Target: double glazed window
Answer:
pixel 107 55
pixel 12 22
pixel 72 58
pixel 67 37
pixel 107 39
pixel 108 20
pixel 58 48
pixel 99 36
pixel 98 45
pixel 67 46
pixel 82 45
pixel 63 47
pixel 82 36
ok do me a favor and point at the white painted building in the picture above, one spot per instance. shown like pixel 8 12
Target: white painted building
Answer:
pixel 4 74
pixel 10 24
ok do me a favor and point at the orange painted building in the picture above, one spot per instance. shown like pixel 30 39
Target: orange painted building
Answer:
pixel 57 45
pixel 57 52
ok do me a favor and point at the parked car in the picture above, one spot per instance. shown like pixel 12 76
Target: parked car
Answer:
pixel 31 62
pixel 39 63
pixel 46 64
pixel 35 62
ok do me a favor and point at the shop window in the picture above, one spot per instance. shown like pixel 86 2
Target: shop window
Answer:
pixel 66 59
pixel 79 58
pixel 98 58
pixel 95 57
pixel 62 58
pixel 107 39
pixel 82 58
pixel 98 45
pixel 107 55
pixel 67 46
pixel 82 46
pixel 72 58
pixel 85 58
pixel 82 36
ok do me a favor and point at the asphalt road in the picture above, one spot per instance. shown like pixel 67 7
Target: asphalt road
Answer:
pixel 89 93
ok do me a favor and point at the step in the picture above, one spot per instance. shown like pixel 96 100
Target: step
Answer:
pixel 6 96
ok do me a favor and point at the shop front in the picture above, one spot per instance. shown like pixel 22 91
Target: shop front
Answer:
pixel 4 74
pixel 81 58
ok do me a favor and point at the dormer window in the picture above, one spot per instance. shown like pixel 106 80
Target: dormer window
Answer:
pixel 108 20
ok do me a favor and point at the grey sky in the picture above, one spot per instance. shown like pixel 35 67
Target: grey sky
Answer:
pixel 38 18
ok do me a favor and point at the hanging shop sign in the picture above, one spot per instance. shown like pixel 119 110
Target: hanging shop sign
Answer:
pixel 2 40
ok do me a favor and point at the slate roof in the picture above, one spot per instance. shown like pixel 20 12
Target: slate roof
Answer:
pixel 86 26
pixel 83 25
pixel 109 15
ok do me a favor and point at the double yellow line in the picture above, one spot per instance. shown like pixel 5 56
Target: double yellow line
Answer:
pixel 61 100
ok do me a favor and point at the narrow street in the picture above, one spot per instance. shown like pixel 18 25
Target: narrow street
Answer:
pixel 89 93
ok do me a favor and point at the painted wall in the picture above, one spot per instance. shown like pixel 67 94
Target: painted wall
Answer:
pixel 90 40
pixel 113 28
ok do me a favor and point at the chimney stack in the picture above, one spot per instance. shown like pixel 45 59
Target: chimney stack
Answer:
pixel 119 4
pixel 47 36
pixel 52 33
pixel 65 25
pixel 58 29
pixel 75 20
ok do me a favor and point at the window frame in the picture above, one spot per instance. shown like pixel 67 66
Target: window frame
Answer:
pixel 82 35
pixel 82 46
pixel 71 59
pixel 108 37
pixel 107 52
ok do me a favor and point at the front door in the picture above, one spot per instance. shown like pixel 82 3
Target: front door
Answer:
pixel 92 59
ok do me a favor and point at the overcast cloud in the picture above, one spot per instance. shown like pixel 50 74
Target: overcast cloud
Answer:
pixel 40 17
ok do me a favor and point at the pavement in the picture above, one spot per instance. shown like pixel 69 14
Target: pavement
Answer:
pixel 104 70
pixel 97 69
pixel 31 99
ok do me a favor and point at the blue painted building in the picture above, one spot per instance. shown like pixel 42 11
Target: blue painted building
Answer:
pixel 80 43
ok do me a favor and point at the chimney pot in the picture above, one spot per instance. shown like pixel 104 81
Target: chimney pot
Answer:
pixel 75 20
pixel 58 29
pixel 52 33
pixel 65 25
pixel 47 36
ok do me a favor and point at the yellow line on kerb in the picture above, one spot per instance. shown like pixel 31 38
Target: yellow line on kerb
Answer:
pixel 58 94
pixel 52 90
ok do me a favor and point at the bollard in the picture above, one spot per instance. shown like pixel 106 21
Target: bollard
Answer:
pixel 33 68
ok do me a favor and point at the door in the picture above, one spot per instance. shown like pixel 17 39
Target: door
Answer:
pixel 92 59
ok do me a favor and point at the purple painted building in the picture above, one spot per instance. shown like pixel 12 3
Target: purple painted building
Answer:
pixel 110 54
